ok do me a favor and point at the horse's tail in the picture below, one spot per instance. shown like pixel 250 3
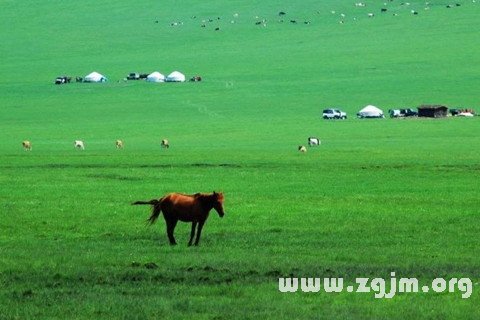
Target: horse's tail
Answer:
pixel 152 202
pixel 155 211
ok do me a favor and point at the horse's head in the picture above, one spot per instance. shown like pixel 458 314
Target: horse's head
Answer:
pixel 217 203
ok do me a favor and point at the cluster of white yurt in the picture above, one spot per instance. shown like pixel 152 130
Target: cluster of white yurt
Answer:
pixel 175 76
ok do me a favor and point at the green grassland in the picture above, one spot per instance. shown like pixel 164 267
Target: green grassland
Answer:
pixel 378 196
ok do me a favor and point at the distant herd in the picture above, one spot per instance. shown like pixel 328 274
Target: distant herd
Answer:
pixel 80 144
pixel 312 142
pixel 119 144
pixel 412 8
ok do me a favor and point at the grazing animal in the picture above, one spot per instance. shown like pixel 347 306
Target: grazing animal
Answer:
pixel 119 144
pixel 79 144
pixel 165 144
pixel 27 145
pixel 313 141
pixel 302 149
pixel 186 208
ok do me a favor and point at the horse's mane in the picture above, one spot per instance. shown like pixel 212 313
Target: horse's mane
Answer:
pixel 208 199
pixel 200 195
pixel 204 196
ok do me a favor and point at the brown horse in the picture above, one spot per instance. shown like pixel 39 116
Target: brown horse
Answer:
pixel 187 208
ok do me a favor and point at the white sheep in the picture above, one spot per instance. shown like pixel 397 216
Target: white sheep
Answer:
pixel 79 144
pixel 27 145
pixel 165 144
pixel 119 144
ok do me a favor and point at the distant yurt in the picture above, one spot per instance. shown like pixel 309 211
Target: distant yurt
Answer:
pixel 175 76
pixel 370 112
pixel 95 77
pixel 156 77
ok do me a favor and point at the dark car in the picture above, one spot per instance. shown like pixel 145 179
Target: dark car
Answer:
pixel 396 113
pixel 455 112
pixel 133 76
pixel 62 80
pixel 409 112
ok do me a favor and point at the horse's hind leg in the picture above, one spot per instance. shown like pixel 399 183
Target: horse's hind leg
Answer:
pixel 192 233
pixel 170 228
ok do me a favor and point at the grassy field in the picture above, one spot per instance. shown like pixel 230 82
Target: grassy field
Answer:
pixel 378 196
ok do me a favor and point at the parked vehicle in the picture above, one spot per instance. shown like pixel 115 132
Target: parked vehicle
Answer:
pixel 462 112
pixel 133 76
pixel 455 112
pixel 334 114
pixel 63 80
pixel 396 113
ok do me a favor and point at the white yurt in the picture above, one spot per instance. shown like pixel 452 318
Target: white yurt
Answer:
pixel 370 112
pixel 175 76
pixel 156 77
pixel 95 77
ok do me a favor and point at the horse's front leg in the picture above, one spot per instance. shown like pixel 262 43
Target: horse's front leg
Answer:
pixel 192 233
pixel 199 231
